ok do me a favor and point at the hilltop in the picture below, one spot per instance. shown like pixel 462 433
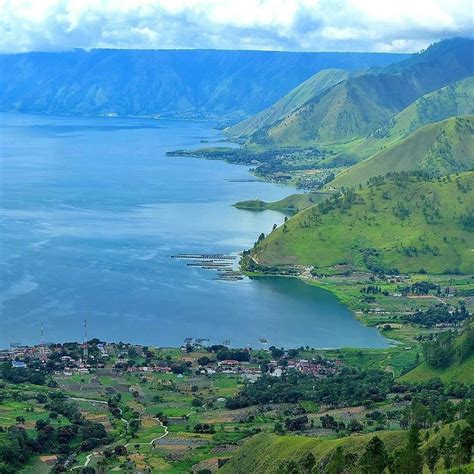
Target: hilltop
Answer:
pixel 359 105
pixel 438 148
pixel 304 93
pixel 454 100
pixel 400 223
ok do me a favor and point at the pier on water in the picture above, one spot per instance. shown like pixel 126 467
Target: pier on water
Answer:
pixel 221 263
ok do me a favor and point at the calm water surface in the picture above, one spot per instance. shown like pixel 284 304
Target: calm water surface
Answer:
pixel 92 208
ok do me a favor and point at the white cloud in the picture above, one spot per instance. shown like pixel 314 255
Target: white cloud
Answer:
pixel 313 25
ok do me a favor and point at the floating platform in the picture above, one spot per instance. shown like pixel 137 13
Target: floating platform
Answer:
pixel 220 263
pixel 204 256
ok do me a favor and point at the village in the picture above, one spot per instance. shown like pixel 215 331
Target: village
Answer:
pixel 95 357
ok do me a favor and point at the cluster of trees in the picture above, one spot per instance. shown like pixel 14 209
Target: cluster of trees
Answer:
pixel 439 314
pixel 374 289
pixel 348 387
pixel 371 258
pixel 408 459
pixel 438 353
pixel 342 201
pixel 80 435
pixel 400 178
pixel 442 349
pixel 467 221
pixel 22 375
pixel 420 288
pixel 224 353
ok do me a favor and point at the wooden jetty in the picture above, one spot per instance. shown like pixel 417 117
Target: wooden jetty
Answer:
pixel 204 256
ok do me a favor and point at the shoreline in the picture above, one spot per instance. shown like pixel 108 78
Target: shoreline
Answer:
pixel 334 292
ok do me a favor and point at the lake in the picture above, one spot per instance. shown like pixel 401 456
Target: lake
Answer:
pixel 91 211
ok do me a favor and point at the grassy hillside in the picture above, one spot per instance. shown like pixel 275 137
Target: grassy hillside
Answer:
pixel 438 148
pixel 402 223
pixel 302 94
pixel 267 452
pixel 454 100
pixel 360 105
pixel 459 371
pixel 292 203
pixel 460 368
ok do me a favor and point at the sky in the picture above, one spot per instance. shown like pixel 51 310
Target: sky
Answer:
pixel 288 25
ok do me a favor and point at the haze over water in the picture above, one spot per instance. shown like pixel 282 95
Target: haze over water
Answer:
pixel 92 209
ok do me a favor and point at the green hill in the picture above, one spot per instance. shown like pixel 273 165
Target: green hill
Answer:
pixel 461 365
pixel 362 104
pixel 459 371
pixel 438 148
pixel 302 94
pixel 292 203
pixel 454 100
pixel 266 453
pixel 403 223
pixel 269 453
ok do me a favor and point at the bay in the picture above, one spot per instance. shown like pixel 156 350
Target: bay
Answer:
pixel 91 211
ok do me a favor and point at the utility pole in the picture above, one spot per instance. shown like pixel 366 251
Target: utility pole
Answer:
pixel 85 349
pixel 42 348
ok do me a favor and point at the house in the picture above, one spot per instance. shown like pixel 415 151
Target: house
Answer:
pixel 229 366
pixel 278 372
pixel 162 370
pixel 17 364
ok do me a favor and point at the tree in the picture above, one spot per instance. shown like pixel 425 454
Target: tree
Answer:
pixel 296 424
pixel 466 442
pixel 87 470
pixel 308 462
pixel 410 460
pixel 278 428
pixel 375 458
pixel 204 360
pixel 120 450
pixel 354 426
pixel 336 464
pixel 431 457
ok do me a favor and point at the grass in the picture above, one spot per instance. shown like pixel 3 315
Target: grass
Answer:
pixel 463 372
pixel 299 96
pixel 408 226
pixel 440 148
pixel 267 452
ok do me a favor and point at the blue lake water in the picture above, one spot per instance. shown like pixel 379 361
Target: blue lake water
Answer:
pixel 92 209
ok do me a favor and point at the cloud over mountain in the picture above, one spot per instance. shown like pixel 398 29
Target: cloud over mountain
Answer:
pixel 312 25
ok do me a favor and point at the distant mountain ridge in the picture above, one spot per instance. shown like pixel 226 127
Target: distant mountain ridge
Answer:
pixel 210 84
pixel 361 104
